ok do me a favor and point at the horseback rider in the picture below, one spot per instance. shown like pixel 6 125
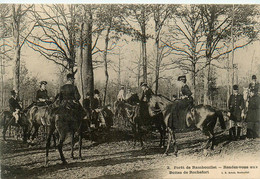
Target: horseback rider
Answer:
pixel 145 98
pixel 69 97
pixel 121 96
pixel 185 93
pixel 42 97
pixel 96 108
pixel 236 112
pixel 254 85
pixel 14 106
pixel 128 94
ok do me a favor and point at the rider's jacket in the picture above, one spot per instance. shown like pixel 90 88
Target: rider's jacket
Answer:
pixel 69 92
pixel 146 95
pixel 13 104
pixel 42 94
pixel 236 105
pixel 96 103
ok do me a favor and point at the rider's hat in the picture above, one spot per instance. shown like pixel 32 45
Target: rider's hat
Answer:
pixel 13 92
pixel 70 76
pixel 253 77
pixel 182 77
pixel 143 84
pixel 96 91
pixel 43 82
pixel 235 87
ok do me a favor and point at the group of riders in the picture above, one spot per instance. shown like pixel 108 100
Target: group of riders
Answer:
pixel 69 97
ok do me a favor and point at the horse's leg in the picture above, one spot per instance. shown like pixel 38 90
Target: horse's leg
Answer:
pixel 80 143
pixel 169 141
pixel 25 130
pixel 175 148
pixel 50 131
pixel 54 140
pixel 72 144
pixel 36 128
pixel 4 132
pixel 140 135
pixel 61 140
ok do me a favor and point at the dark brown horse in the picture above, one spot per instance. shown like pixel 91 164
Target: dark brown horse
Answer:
pixel 64 121
pixel 165 107
pixel 7 120
pixel 132 111
pixel 37 117
pixel 204 117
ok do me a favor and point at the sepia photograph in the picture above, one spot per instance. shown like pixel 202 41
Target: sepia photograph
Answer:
pixel 130 90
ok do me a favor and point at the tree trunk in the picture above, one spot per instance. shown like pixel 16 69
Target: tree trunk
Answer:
pixel 143 40
pixel 17 48
pixel 80 64
pixel 194 82
pixel 157 64
pixel 206 84
pixel 105 64
pixel 88 83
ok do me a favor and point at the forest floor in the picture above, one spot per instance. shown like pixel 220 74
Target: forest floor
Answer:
pixel 115 156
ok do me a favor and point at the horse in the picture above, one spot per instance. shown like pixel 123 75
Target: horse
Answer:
pixel 8 120
pixel 37 117
pixel 63 120
pixel 165 108
pixel 204 117
pixel 131 110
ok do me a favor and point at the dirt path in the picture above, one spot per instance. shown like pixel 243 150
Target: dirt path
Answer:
pixel 121 159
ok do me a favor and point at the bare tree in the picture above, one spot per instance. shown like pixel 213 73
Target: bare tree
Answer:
pixel 160 14
pixel 19 26
pixel 186 40
pixel 218 22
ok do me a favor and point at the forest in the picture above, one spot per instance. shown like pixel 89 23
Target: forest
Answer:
pixel 88 39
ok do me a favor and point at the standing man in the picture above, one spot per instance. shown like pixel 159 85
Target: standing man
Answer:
pixel 69 97
pixel 96 108
pixel 14 106
pixel 253 115
pixel 236 112
pixel 254 85
pixel 42 97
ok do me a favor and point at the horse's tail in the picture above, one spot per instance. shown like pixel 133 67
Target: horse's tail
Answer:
pixel 221 119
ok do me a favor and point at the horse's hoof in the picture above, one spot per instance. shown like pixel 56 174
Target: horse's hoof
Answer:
pixel 176 155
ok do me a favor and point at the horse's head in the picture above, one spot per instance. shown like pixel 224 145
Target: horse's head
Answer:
pixel 159 100
pixel 190 117
pixel 245 93
pixel 134 99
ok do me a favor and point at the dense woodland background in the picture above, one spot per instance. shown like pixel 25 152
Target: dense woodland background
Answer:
pixel 196 40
